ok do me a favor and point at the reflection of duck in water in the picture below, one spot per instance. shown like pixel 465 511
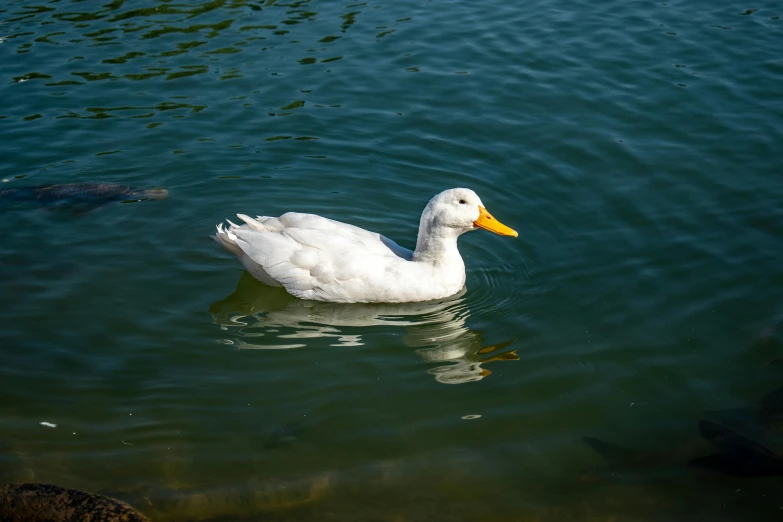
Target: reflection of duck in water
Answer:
pixel 436 329
pixel 463 352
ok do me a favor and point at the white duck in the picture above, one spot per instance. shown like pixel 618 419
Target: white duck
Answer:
pixel 313 257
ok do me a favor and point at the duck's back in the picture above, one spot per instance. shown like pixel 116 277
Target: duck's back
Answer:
pixel 318 258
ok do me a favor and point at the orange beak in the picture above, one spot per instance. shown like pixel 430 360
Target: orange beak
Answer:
pixel 487 222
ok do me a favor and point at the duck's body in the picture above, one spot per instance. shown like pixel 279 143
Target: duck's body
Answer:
pixel 313 257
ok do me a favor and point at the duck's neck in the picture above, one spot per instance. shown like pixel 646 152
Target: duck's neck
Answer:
pixel 438 246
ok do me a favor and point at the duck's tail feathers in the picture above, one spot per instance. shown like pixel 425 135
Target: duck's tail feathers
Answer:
pixel 226 238
pixel 253 224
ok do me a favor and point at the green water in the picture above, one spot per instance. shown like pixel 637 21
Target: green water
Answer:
pixel 636 147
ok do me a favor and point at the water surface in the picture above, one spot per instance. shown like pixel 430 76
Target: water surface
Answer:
pixel 634 145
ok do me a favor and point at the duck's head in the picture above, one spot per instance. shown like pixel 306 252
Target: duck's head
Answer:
pixel 461 210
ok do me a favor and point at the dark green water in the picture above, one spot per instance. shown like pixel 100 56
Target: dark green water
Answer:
pixel 636 147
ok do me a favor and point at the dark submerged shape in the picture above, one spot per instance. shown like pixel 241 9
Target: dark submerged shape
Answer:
pixel 49 503
pixel 738 456
pixel 84 197
pixel 616 454
pixel 767 413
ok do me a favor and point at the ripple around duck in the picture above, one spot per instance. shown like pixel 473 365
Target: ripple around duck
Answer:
pixel 489 290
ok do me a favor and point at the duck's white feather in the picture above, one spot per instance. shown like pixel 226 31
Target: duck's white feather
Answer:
pixel 314 257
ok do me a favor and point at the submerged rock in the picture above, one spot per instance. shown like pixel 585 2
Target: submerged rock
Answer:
pixel 49 503
pixel 83 197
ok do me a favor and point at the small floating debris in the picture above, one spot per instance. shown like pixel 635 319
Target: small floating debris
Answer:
pixel 471 417
pixel 48 424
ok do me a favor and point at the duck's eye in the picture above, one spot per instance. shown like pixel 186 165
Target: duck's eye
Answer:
pixel 462 201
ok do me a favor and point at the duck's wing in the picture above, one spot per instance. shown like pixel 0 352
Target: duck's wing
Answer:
pixel 372 241
pixel 318 258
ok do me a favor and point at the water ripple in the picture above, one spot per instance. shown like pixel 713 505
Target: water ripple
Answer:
pixel 264 318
